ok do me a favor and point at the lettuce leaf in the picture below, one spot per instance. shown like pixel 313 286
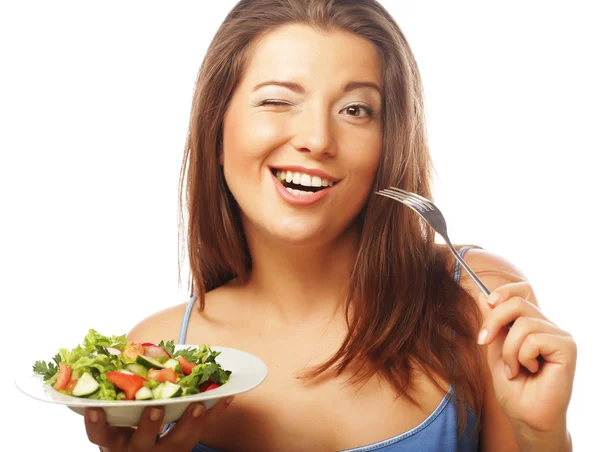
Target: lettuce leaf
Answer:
pixel 93 340
pixel 71 356
pixel 99 364
pixel 107 390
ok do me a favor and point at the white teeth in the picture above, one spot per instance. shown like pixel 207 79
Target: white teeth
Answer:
pixel 298 192
pixel 302 179
pixel 305 180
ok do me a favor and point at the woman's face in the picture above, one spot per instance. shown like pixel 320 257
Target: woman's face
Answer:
pixel 302 135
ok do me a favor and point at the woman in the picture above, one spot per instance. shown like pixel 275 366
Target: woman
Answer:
pixel 373 339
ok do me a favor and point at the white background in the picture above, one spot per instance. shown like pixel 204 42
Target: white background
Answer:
pixel 94 104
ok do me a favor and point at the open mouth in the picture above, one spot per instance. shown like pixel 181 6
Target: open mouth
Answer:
pixel 302 182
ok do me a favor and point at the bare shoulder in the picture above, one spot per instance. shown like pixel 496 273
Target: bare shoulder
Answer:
pixel 493 270
pixel 162 325
pixel 223 314
pixel 485 261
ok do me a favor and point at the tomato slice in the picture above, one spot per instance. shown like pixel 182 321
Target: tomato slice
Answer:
pixel 208 385
pixel 162 375
pixel 64 375
pixel 72 385
pixel 186 366
pixel 128 383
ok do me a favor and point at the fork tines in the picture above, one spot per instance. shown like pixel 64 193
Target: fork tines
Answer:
pixel 410 199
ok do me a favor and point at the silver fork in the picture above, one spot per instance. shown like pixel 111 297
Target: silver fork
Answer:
pixel 432 215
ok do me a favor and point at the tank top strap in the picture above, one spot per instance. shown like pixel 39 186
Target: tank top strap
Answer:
pixel 461 252
pixel 186 320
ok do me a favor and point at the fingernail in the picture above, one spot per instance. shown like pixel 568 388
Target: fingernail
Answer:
pixel 507 371
pixel 228 400
pixel 154 414
pixel 93 416
pixel 483 334
pixel 493 299
pixel 198 410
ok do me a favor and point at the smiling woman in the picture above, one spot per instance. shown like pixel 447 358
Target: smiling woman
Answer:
pixel 322 115
pixel 302 109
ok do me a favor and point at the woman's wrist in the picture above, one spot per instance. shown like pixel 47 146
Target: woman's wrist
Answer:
pixel 558 440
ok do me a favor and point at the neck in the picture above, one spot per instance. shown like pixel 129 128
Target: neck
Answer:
pixel 301 283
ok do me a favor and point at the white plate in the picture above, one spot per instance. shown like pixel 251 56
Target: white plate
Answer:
pixel 247 372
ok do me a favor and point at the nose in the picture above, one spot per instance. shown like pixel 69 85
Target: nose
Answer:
pixel 313 132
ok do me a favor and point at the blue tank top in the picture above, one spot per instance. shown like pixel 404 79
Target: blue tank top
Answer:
pixel 439 432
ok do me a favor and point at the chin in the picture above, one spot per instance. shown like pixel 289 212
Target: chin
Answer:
pixel 296 230
pixel 298 234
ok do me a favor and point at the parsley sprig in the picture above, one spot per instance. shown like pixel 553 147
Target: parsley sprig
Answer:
pixel 47 369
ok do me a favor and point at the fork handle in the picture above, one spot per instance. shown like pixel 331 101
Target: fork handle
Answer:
pixel 471 273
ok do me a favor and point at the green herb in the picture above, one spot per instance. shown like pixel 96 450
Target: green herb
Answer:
pixel 47 369
pixel 169 346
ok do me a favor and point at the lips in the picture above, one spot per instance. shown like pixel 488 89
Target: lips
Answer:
pixel 299 194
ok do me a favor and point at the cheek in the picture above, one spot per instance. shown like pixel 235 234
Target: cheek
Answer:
pixel 372 162
pixel 366 157
pixel 364 166
pixel 248 138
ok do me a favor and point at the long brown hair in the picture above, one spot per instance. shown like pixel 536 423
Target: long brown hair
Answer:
pixel 407 312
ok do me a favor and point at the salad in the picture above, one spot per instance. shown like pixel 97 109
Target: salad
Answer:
pixel 110 368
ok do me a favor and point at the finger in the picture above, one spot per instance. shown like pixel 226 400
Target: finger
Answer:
pixel 518 333
pixel 503 315
pixel 484 305
pixel 507 291
pixel 148 431
pixel 104 435
pixel 553 348
pixel 189 429
pixel 220 406
pixel 96 427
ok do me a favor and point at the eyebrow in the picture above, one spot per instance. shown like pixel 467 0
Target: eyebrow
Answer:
pixel 298 88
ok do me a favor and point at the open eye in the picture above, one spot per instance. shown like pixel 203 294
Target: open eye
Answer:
pixel 356 109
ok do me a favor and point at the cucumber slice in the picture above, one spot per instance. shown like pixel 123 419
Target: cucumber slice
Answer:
pixel 148 363
pixel 170 390
pixel 151 384
pixel 143 394
pixel 190 391
pixel 86 385
pixel 137 369
pixel 172 364
pixel 157 392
